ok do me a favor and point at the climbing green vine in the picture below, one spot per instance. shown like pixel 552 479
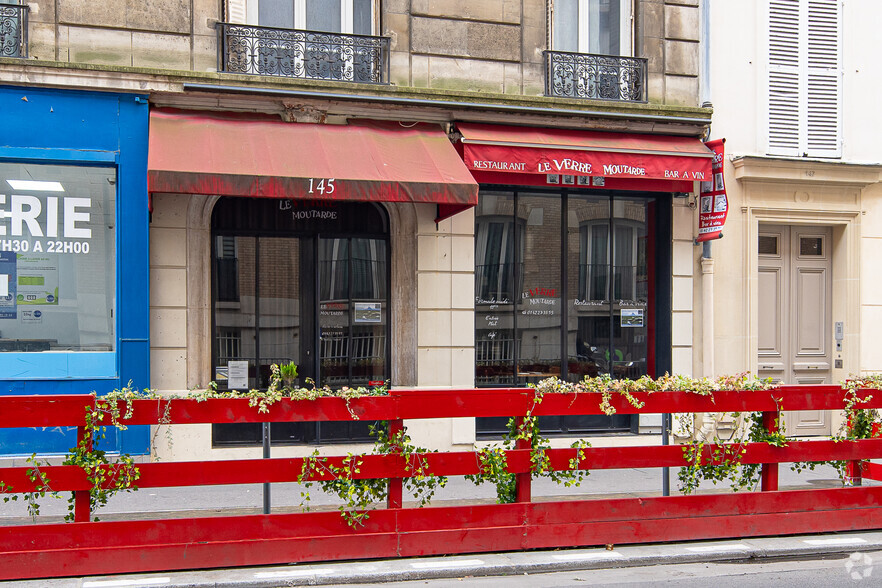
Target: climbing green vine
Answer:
pixel 716 459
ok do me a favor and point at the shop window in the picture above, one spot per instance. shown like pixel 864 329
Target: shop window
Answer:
pixel 583 304
pixel 57 258
pixel 318 301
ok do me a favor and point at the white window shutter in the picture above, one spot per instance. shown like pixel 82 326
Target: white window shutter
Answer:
pixel 784 78
pixel 824 80
pixel 237 11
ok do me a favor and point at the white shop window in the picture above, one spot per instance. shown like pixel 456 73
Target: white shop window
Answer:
pixel 57 257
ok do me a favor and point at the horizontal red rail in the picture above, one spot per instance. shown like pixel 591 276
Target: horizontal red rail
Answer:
pixel 276 470
pixel 50 411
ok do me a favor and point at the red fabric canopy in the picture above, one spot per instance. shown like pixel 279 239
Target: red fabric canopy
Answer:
pixel 528 150
pixel 230 155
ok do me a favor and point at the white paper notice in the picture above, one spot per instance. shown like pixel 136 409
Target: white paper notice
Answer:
pixel 237 375
pixel 4 284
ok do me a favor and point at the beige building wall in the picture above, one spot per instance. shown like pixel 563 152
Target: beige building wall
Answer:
pixel 843 193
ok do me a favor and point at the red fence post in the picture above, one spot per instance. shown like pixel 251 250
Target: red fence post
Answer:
pixel 82 510
pixel 395 496
pixel 769 473
pixel 523 482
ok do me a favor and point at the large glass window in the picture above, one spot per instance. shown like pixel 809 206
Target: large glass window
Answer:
pixel 57 257
pixel 330 16
pixel 563 287
pixel 601 27
pixel 302 282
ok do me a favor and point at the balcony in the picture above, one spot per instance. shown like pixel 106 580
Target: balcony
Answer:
pixel 13 30
pixel 595 77
pixel 265 51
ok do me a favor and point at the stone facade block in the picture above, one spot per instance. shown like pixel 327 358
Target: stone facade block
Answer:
pixel 170 16
pixel 683 258
pixel 395 7
pixel 684 219
pixel 168 287
pixel 655 87
pixel 433 253
pixel 41 11
pixel 534 79
pixel 681 361
pixel 681 328
pixel 682 294
pixel 204 56
pixel 462 253
pixel 205 14
pixel 87 45
pixel 681 58
pixel 503 11
pixel 466 74
pixel 168 369
pixel 534 42
pixel 462 364
pixel 161 51
pixel 682 23
pixel 462 328
pixel 109 13
pixel 41 41
pixel 654 52
pixel 433 290
pixel 433 328
pixel 512 78
pixel 168 247
pixel 462 291
pixel 400 64
pixel 681 90
pixel 397 26
pixel 652 19
pixel 169 210
pixel 465 39
pixel 168 328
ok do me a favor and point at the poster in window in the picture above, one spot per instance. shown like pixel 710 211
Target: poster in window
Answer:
pixel 37 279
pixel 7 285
pixel 632 317
pixel 368 312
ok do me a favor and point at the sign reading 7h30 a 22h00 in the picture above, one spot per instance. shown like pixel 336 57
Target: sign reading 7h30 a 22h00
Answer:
pixel 713 204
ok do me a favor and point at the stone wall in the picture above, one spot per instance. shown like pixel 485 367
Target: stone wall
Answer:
pixel 493 46
pixel 165 34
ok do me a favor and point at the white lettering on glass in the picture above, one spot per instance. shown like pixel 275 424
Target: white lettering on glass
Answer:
pixel 25 211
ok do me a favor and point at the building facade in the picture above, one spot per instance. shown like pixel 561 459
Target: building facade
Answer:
pixel 434 193
pixel 795 297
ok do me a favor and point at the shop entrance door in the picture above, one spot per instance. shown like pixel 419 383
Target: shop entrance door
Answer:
pixel 295 286
pixel 794 342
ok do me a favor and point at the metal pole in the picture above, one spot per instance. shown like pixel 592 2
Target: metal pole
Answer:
pixel 666 471
pixel 266 455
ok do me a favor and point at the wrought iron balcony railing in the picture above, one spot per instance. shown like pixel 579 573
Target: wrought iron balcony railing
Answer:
pixel 266 51
pixel 13 30
pixel 597 77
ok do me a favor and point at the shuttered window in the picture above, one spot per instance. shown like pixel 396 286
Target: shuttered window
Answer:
pixel 805 78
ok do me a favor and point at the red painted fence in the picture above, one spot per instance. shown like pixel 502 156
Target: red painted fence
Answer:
pixel 87 548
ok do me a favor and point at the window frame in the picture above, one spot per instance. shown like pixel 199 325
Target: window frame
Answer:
pixel 251 11
pixel 626 26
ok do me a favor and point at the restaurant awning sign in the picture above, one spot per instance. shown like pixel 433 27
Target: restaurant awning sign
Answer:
pixel 713 204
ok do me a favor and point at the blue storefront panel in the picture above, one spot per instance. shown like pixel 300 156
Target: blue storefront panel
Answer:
pixel 74 316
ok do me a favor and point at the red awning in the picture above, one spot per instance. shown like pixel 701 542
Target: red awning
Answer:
pixel 528 150
pixel 230 155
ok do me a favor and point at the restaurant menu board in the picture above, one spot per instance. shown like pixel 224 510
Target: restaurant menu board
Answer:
pixel 714 206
